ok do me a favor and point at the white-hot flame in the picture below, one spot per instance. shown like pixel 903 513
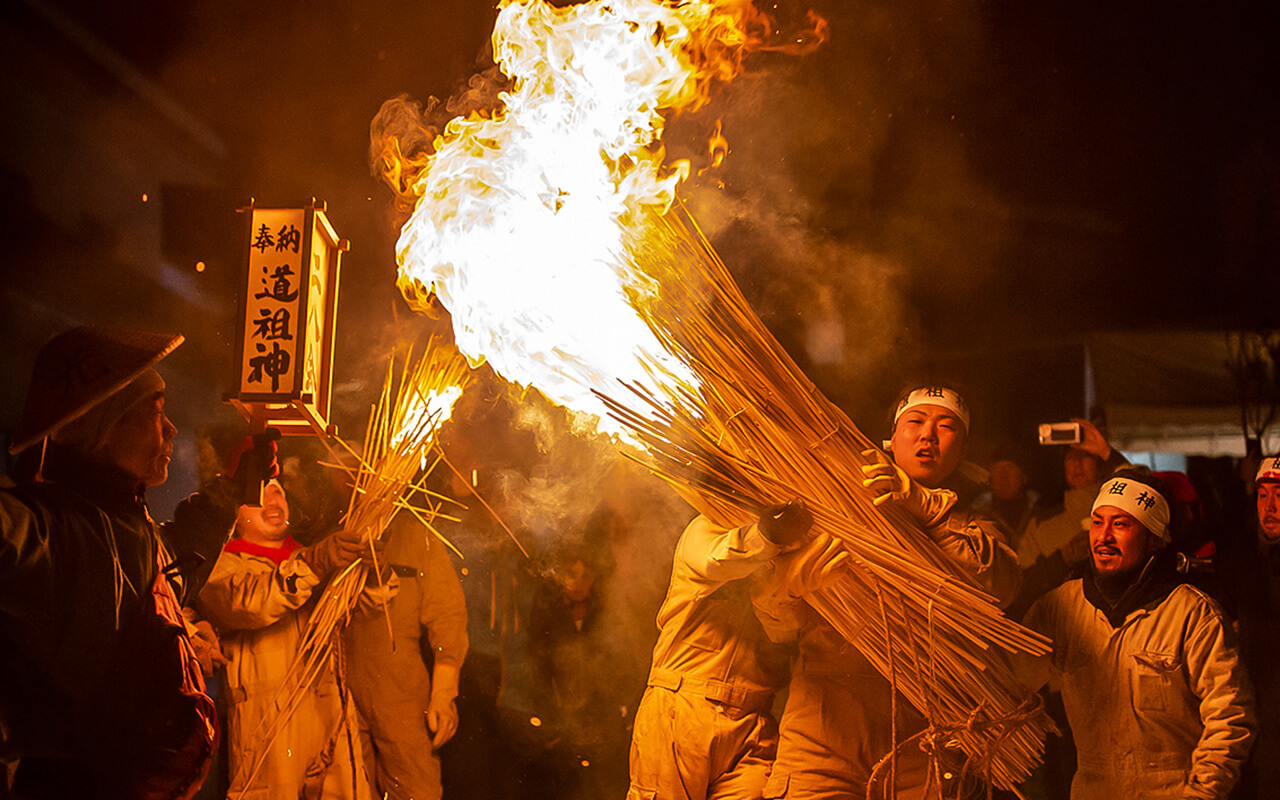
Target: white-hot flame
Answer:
pixel 425 415
pixel 520 216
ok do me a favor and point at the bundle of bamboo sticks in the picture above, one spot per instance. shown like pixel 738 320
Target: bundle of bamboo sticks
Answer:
pixel 399 452
pixel 757 431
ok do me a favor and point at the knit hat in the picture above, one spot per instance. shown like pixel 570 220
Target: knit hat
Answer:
pixel 77 370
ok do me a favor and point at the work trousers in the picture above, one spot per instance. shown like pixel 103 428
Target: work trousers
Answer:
pixel 688 747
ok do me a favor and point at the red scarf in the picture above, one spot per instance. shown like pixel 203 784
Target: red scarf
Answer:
pixel 276 554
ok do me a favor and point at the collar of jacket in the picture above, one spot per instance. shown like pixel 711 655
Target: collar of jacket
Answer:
pixel 1158 577
pixel 100 482
pixel 276 554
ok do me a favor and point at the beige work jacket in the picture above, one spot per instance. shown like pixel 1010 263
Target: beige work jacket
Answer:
pixel 1161 706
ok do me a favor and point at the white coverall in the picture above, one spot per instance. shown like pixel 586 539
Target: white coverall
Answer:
pixel 1160 707
pixel 703 728
pixel 837 724
pixel 260 608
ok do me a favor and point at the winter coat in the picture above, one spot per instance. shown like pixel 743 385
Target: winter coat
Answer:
pixel 1158 701
pixel 101 693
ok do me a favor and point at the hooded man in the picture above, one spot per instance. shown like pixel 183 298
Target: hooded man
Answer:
pixel 838 722
pixel 1157 699
pixel 102 694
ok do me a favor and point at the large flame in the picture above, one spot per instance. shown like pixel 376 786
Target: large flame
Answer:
pixel 521 213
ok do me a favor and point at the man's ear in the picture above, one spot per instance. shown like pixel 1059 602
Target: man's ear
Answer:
pixel 1154 543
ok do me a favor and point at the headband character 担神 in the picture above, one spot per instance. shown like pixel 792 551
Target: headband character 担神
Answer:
pixel 1138 500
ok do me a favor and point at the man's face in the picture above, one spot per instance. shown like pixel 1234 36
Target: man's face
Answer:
pixel 1269 509
pixel 578 581
pixel 141 442
pixel 927 443
pixel 1118 541
pixel 1007 480
pixel 1080 467
pixel 267 524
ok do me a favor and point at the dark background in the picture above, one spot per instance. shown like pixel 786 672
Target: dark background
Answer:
pixel 963 189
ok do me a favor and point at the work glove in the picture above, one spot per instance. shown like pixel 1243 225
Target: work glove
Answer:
pixel 334 553
pixel 786 523
pixel 207 648
pixel 888 483
pixel 809 568
pixel 442 708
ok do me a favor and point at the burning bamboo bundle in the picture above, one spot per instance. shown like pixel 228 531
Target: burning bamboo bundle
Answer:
pixel 543 223
pixel 756 432
pixel 388 477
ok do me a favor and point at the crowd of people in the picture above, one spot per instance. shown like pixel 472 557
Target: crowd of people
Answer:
pixel 149 660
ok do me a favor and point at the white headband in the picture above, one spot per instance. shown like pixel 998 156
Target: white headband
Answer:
pixel 1140 501
pixel 934 396
pixel 1268 470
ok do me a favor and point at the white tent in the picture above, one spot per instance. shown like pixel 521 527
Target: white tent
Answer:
pixel 1168 392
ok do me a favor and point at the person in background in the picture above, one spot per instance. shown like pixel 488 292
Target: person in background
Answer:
pixel 1056 543
pixel 838 722
pixel 575 657
pixel 1248 573
pixel 405 680
pixel 102 694
pixel 1158 700
pixel 259 597
pixel 1009 500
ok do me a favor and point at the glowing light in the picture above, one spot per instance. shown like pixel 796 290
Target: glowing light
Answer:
pixel 522 213
pixel 535 722
pixel 427 413
pixel 199 266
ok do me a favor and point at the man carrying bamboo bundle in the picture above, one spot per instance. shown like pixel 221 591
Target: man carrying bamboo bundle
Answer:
pixel 703 728
pixel 842 717
pixel 1158 701
pixel 260 597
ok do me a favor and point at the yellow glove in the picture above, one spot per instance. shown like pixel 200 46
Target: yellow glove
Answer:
pixel 803 571
pixel 888 483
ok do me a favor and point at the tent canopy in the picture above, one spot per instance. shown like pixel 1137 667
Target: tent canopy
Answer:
pixel 1168 392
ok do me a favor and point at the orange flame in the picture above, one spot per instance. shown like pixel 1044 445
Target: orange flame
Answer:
pixel 520 212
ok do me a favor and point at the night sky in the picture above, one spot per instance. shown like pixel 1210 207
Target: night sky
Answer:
pixel 946 185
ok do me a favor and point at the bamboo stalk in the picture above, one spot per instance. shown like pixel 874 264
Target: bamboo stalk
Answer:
pixel 754 431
